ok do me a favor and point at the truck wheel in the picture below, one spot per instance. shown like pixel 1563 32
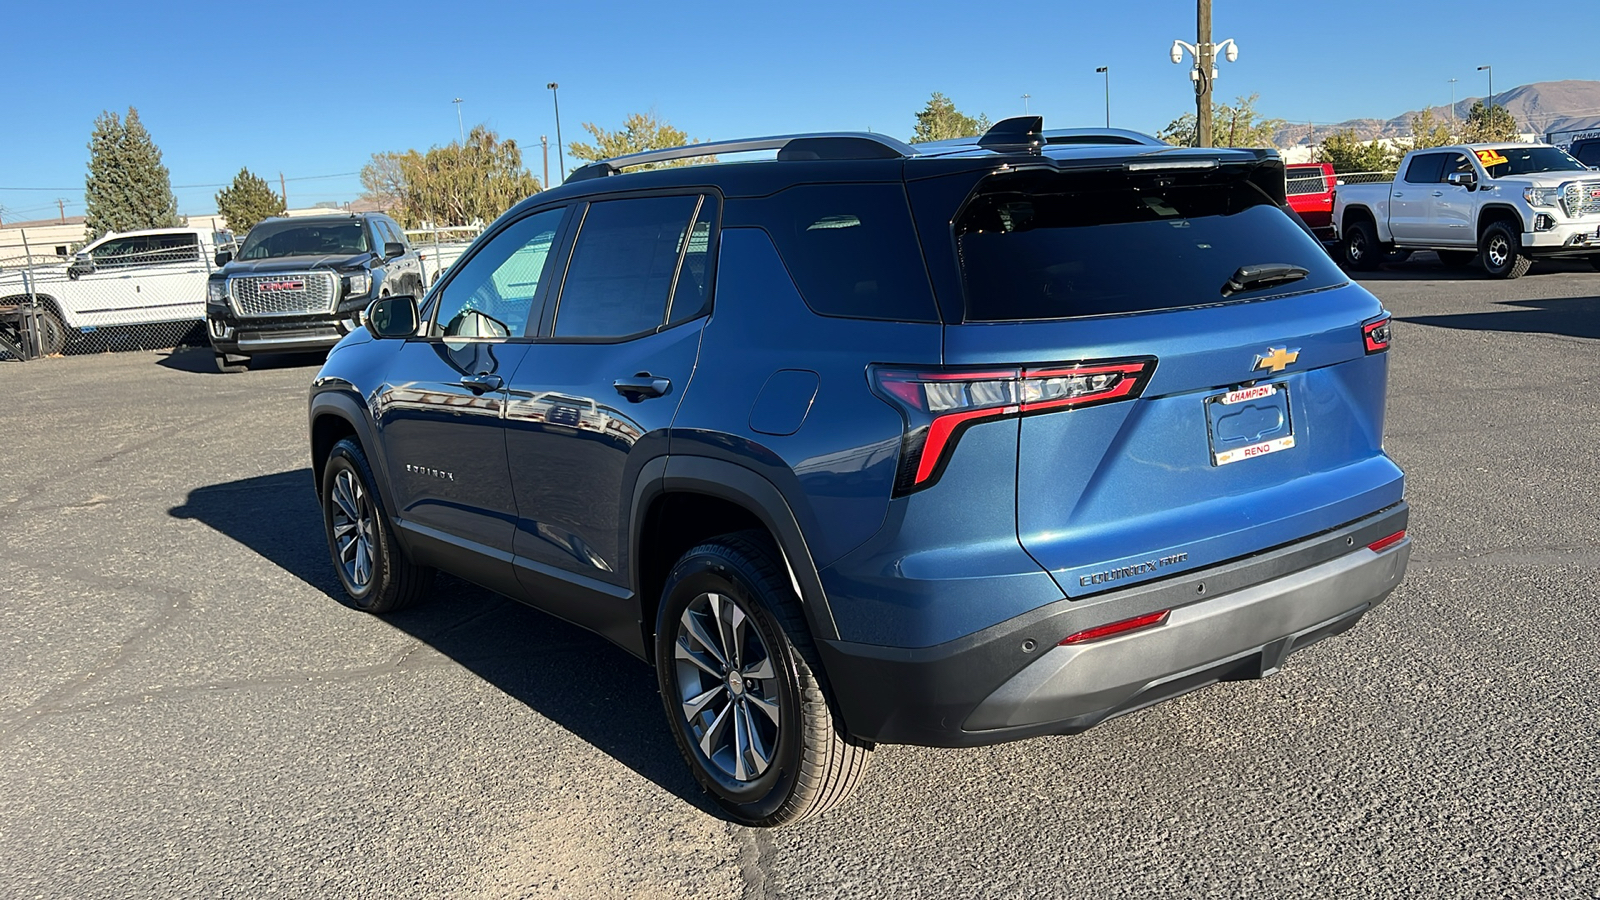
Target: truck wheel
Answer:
pixel 1455 259
pixel 1501 249
pixel 52 332
pixel 739 678
pixel 377 574
pixel 232 363
pixel 1362 252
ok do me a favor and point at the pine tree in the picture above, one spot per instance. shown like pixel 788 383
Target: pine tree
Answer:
pixel 247 201
pixel 128 187
pixel 940 120
pixel 1490 124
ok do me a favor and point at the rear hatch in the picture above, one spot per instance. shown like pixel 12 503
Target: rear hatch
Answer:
pixel 1194 380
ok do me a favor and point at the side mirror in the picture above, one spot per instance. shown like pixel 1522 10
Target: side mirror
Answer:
pixel 1467 180
pixel 224 257
pixel 82 265
pixel 393 317
pixel 393 249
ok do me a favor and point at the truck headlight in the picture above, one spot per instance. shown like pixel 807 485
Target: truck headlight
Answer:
pixel 1542 196
pixel 216 292
pixel 357 285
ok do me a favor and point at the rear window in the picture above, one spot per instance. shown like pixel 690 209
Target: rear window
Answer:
pixel 1307 181
pixel 851 250
pixel 1068 246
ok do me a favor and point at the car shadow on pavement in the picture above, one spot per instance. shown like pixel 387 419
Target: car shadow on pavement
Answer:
pixel 1571 316
pixel 1424 265
pixel 575 679
pixel 201 360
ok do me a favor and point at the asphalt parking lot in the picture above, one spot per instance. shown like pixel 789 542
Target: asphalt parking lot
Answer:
pixel 185 710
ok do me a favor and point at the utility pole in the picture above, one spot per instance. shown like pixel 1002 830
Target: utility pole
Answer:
pixel 283 192
pixel 62 205
pixel 1205 62
pixel 544 144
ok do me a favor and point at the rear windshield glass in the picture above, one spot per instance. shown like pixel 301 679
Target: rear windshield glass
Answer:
pixel 1068 246
pixel 269 241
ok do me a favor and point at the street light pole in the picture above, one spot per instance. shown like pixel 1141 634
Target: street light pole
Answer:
pixel 544 144
pixel 1452 109
pixel 1106 71
pixel 561 158
pixel 460 127
pixel 1490 70
pixel 1025 103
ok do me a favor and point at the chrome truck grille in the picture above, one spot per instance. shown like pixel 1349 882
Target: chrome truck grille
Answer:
pixel 289 294
pixel 1581 198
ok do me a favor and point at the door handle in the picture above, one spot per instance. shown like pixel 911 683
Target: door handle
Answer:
pixel 1397 194
pixel 1438 193
pixel 480 383
pixel 641 386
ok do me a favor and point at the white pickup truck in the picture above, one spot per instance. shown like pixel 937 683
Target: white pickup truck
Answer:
pixel 1507 204
pixel 129 278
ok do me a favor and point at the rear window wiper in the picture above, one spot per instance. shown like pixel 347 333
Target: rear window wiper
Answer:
pixel 1262 275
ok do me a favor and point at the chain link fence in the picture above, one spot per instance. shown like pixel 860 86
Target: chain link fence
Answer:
pixel 140 291
pixel 1365 177
pixel 441 247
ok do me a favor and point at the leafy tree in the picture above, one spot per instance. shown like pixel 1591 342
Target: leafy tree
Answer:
pixel 457 184
pixel 1349 153
pixel 127 187
pixel 941 121
pixel 1232 125
pixel 247 201
pixel 1486 124
pixel 639 132
pixel 1427 131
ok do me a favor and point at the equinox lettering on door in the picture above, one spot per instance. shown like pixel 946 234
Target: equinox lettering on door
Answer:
pixel 1122 572
pixel 436 473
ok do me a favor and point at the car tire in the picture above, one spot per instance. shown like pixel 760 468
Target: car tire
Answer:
pixel 742 686
pixel 52 332
pixel 1500 248
pixel 377 574
pixel 1455 259
pixel 1361 250
pixel 232 363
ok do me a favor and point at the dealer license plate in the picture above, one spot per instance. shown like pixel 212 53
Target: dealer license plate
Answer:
pixel 1249 422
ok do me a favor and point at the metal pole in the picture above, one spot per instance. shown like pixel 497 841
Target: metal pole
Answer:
pixel 1204 64
pixel 1025 103
pixel 1490 70
pixel 561 156
pixel 1452 109
pixel 283 191
pixel 544 144
pixel 32 345
pixel 460 128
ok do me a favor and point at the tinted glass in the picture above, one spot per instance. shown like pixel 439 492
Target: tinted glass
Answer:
pixel 851 250
pixel 493 293
pixel 146 250
pixel 622 266
pixel 1424 169
pixel 1589 154
pixel 690 294
pixel 1059 247
pixel 269 241
pixel 1455 162
pixel 1504 161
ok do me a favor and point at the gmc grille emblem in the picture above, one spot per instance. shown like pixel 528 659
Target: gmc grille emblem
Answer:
pixel 281 286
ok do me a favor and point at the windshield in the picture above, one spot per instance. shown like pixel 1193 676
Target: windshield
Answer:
pixel 1503 161
pixel 305 239
pixel 1072 246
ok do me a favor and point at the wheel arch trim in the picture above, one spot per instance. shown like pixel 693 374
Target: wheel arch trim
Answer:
pixel 340 402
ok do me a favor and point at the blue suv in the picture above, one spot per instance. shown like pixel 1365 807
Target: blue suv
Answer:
pixel 945 445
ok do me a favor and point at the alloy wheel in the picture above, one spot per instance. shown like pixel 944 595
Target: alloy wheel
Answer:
pixel 727 686
pixel 353 529
pixel 1499 251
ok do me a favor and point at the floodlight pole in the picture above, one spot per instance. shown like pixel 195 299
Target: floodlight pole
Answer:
pixel 561 157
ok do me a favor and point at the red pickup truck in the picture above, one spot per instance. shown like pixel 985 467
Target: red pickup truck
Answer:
pixel 1311 195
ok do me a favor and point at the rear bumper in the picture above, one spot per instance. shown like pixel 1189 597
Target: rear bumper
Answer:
pixel 1014 680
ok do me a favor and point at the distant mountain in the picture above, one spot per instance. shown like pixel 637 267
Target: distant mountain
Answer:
pixel 1542 108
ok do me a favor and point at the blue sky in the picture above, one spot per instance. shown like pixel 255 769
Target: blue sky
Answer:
pixel 313 89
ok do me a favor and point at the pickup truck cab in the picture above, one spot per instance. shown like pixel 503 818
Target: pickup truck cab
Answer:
pixel 1508 204
pixel 146 277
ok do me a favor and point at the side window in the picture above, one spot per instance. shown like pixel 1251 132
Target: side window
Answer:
pixel 174 248
pixel 691 292
pixel 391 233
pixel 493 293
pixel 1589 154
pixel 1455 162
pixel 117 254
pixel 1424 169
pixel 622 267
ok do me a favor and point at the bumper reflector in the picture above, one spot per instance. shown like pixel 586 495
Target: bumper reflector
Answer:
pixel 1382 544
pixel 1147 620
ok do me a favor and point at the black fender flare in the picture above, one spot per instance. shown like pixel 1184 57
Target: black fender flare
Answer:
pixel 735 484
pixel 338 399
pixel 1494 212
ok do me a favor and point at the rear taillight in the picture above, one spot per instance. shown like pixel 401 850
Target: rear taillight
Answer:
pixel 1148 620
pixel 1382 544
pixel 938 404
pixel 1376 335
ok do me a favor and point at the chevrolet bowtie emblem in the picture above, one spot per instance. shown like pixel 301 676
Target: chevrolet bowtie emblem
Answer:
pixel 1277 359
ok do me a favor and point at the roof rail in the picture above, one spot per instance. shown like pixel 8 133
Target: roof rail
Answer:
pixel 830 145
